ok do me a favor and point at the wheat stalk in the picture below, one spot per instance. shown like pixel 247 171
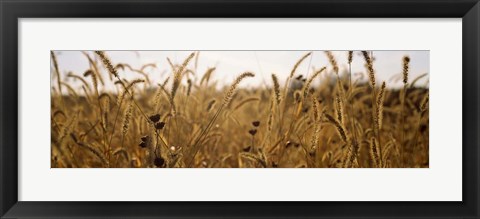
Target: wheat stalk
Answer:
pixel 371 71
pixel 177 77
pixel 231 91
pixel 342 132
pixel 379 107
pixel 306 87
pixel 317 127
pixel 292 73
pixel 406 61
pixel 276 89
pixel 375 153
pixel 332 61
pixel 91 149
pixel 59 80
pixel 226 100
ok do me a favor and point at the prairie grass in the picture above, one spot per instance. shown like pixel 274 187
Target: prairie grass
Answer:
pixel 326 120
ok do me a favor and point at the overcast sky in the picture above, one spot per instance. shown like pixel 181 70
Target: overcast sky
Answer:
pixel 230 64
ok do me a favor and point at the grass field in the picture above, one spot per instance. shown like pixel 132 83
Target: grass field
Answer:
pixel 327 118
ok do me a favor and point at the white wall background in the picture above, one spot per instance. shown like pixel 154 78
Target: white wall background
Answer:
pixel 441 182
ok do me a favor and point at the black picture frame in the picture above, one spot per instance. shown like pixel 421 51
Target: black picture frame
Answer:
pixel 12 10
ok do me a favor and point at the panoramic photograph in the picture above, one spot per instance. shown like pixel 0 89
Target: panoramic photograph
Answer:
pixel 240 109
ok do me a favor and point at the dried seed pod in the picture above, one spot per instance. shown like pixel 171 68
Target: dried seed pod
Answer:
pixel 159 162
pixel 145 141
pixel 155 118
pixel 160 125
pixel 145 138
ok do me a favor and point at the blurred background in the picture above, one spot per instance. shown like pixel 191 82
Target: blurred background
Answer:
pixel 229 64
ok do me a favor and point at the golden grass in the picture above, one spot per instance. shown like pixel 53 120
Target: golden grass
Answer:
pixel 328 121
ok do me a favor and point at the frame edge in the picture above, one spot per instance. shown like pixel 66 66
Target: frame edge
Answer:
pixel 9 178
